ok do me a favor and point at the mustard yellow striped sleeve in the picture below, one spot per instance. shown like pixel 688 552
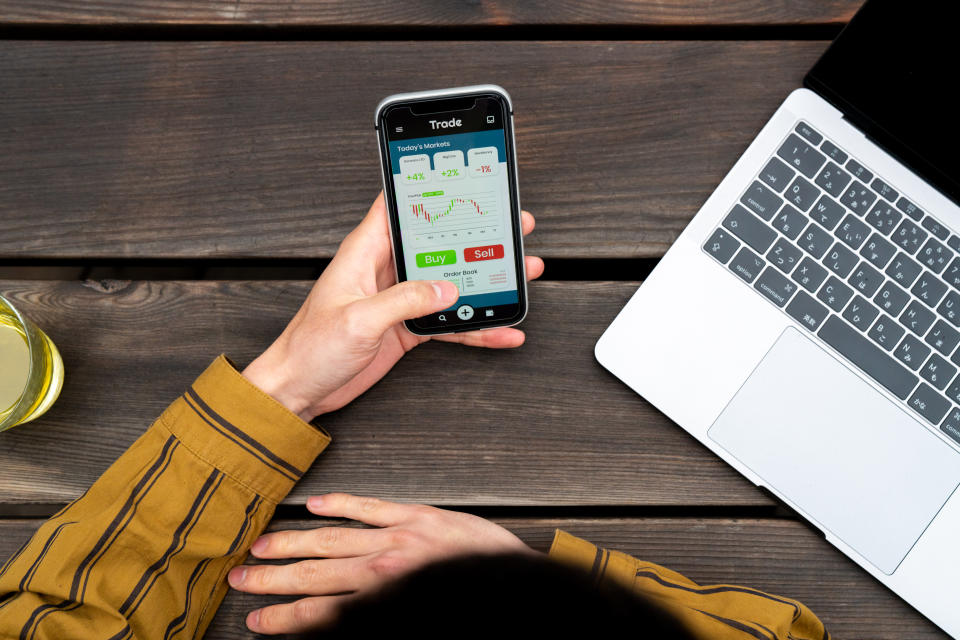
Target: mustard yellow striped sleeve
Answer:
pixel 145 551
pixel 717 612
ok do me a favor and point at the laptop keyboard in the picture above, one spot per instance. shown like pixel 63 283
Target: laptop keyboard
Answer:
pixel 848 257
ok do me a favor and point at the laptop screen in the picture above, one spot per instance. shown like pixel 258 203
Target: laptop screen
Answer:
pixel 893 73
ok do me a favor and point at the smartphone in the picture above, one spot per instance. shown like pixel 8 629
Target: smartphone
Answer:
pixel 450 183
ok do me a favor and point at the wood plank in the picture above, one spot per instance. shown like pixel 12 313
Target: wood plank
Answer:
pixel 213 149
pixel 433 13
pixel 542 425
pixel 778 556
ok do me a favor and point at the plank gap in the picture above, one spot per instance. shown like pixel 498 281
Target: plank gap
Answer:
pixel 361 33
pixel 562 269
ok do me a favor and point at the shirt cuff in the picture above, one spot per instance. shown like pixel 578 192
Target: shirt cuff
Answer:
pixel 602 564
pixel 232 424
pixel 575 552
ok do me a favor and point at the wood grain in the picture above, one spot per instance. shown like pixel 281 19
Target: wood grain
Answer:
pixel 777 556
pixel 258 149
pixel 440 13
pixel 541 425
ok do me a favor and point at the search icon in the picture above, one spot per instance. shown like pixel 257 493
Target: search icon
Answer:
pixel 443 318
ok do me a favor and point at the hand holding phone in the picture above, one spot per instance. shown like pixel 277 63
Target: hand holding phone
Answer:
pixel 347 335
pixel 450 181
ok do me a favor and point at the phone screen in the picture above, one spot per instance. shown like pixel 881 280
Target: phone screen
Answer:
pixel 456 211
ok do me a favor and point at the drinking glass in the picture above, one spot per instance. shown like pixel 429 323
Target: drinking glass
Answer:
pixel 31 371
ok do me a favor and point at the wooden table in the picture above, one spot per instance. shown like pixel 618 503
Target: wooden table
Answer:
pixel 172 175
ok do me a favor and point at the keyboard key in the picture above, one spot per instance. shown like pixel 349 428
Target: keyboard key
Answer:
pixel 951 426
pixel 952 274
pixel 859 171
pixel 891 298
pixel 761 200
pixel 909 208
pixel 833 179
pixel 909 236
pixel 721 245
pixel 748 228
pixel 954 243
pixel 943 338
pixel 852 231
pixel 929 404
pixel 903 270
pixel 827 212
pixel 801 156
pixel 878 251
pixel 912 352
pixel 789 222
pixel 807 311
pixel 861 313
pixel 809 274
pixel 777 175
pixel 871 359
pixel 935 228
pixel 953 391
pixel 840 260
pixel 833 152
pixel 815 241
pixel 807 132
pixel 935 255
pixel 802 194
pixel 937 371
pixel 775 286
pixel 865 279
pixel 835 294
pixel 885 190
pixel 883 217
pixel 784 256
pixel 747 264
pixel 858 198
pixel 929 289
pixel 917 318
pixel 886 332
pixel 950 308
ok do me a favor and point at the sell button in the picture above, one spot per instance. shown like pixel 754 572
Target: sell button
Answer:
pixel 491 252
pixel 436 258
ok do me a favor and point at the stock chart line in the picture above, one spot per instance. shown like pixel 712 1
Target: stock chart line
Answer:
pixel 420 213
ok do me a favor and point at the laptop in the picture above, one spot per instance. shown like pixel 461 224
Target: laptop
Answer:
pixel 805 326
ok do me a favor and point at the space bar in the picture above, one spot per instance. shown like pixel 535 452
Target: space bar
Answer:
pixel 870 358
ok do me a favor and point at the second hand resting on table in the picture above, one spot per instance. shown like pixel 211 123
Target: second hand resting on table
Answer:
pixel 349 334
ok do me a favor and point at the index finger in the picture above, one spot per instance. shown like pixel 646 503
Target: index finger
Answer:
pixel 379 513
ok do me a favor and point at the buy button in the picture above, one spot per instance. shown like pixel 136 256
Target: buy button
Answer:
pixel 491 252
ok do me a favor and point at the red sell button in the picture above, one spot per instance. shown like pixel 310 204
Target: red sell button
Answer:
pixel 491 252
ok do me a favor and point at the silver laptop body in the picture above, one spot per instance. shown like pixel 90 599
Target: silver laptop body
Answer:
pixel 757 335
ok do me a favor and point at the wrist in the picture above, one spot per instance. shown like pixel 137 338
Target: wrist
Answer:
pixel 270 375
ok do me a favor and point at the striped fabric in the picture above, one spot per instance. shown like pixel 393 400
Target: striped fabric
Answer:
pixel 145 551
pixel 722 612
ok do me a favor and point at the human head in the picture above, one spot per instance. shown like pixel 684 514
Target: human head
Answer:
pixel 502 595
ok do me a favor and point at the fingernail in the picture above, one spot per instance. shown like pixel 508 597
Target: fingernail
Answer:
pixel 316 502
pixel 444 289
pixel 260 545
pixel 253 620
pixel 236 576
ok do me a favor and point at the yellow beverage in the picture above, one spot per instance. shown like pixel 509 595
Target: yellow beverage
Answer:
pixel 31 371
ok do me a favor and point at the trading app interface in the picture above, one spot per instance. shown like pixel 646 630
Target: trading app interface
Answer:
pixel 453 199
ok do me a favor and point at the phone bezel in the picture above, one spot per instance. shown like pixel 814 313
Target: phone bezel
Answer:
pixel 501 96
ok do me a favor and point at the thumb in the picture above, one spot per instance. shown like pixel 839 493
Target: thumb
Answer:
pixel 407 300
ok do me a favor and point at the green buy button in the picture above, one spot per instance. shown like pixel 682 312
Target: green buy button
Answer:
pixel 436 258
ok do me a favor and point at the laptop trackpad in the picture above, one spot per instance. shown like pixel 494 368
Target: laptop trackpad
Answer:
pixel 860 466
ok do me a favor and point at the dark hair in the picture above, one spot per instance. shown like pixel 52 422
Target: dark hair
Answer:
pixel 502 595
